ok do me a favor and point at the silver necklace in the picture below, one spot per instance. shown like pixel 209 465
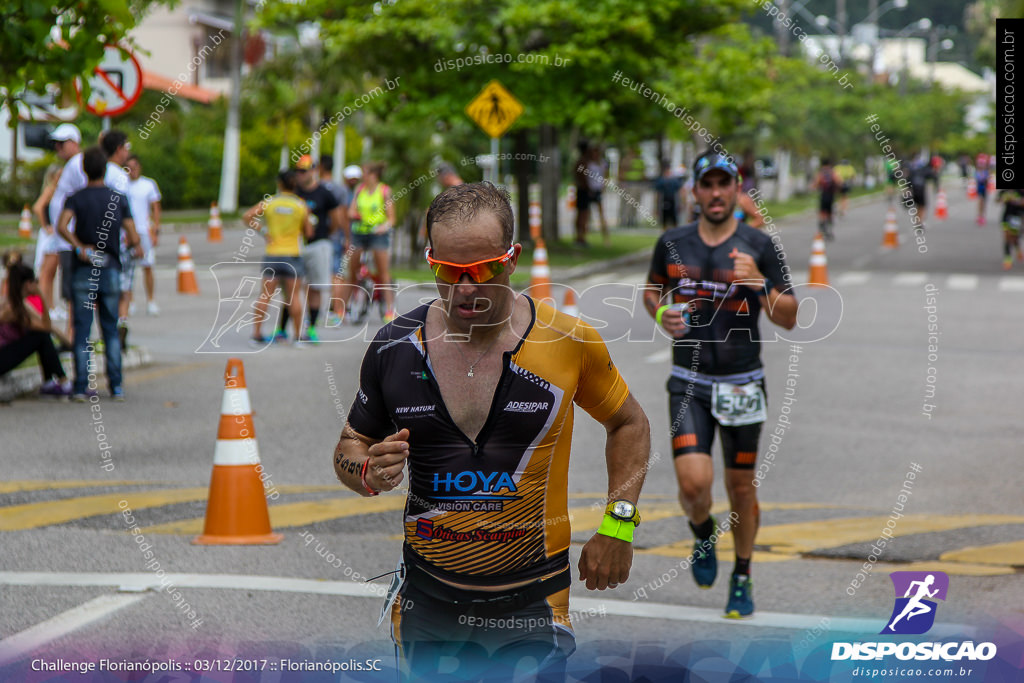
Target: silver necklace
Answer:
pixel 459 349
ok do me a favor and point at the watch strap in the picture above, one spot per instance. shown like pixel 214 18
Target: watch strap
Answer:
pixel 616 528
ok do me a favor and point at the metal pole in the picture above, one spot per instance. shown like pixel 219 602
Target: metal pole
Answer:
pixel 228 198
pixel 873 12
pixel 494 160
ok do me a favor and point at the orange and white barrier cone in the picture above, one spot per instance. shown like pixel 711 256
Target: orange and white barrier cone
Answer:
pixel 991 183
pixel 818 274
pixel 186 269
pixel 540 274
pixel 941 207
pixel 213 226
pixel 236 511
pixel 534 220
pixel 972 189
pixel 569 307
pixel 571 197
pixel 25 224
pixel 891 239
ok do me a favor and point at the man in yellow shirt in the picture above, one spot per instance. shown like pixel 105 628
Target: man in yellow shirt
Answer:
pixel 287 221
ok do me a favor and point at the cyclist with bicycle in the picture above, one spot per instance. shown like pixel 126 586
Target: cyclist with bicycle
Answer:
pixel 373 218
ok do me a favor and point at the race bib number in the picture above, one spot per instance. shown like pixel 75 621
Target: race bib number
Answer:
pixel 738 404
pixel 389 600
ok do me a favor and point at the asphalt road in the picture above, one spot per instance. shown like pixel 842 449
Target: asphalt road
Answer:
pixel 73 584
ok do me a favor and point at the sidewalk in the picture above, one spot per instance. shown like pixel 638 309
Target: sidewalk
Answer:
pixel 24 381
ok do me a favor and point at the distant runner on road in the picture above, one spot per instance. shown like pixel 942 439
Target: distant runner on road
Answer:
pixel 708 282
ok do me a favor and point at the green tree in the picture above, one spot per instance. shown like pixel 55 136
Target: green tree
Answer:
pixel 44 43
pixel 564 55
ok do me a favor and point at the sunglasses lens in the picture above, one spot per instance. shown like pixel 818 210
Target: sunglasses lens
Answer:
pixel 478 273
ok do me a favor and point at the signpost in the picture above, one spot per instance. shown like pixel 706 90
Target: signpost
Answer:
pixel 115 84
pixel 495 109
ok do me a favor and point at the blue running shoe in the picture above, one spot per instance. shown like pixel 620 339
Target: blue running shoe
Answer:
pixel 741 601
pixel 280 336
pixel 704 563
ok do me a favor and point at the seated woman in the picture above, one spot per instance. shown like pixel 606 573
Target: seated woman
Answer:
pixel 25 329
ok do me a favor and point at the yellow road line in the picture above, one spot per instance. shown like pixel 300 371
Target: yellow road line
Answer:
pixel 35 485
pixel 1011 554
pixel 52 485
pixel 958 568
pixel 803 537
pixel 298 514
pixel 32 515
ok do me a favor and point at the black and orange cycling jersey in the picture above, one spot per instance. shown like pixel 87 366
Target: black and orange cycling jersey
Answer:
pixel 723 314
pixel 492 511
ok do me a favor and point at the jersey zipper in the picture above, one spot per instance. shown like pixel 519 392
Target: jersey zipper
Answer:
pixel 475 446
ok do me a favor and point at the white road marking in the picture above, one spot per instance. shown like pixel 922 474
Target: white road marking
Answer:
pixel 962 282
pixel 599 279
pixel 660 356
pixel 861 261
pixel 1010 283
pixel 909 279
pixel 854 277
pixel 627 608
pixel 23 643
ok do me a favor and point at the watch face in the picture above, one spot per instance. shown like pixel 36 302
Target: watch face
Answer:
pixel 623 509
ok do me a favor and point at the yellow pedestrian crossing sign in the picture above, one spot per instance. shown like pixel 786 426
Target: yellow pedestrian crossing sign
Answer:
pixel 495 109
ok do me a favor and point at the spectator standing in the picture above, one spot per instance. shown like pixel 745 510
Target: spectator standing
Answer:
pixel 144 199
pixel 99 213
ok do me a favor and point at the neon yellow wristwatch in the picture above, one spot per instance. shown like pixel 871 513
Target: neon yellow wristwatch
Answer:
pixel 620 520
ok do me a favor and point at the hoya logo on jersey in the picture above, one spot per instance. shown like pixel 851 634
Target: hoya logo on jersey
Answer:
pixel 526 406
pixel 913 614
pixel 470 481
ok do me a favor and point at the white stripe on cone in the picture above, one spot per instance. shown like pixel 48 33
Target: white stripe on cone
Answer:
pixel 236 452
pixel 236 402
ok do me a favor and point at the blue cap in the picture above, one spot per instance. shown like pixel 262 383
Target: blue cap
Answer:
pixel 712 162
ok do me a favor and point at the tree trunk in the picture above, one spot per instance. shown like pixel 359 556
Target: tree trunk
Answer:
pixel 550 177
pixel 521 168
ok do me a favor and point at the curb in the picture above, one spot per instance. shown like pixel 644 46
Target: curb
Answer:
pixel 28 380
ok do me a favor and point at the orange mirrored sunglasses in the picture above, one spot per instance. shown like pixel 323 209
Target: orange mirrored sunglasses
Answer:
pixel 479 271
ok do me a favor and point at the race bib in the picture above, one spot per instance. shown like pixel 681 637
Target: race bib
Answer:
pixel 389 600
pixel 738 404
pixel 1014 222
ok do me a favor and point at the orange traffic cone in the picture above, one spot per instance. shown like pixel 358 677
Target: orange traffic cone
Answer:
pixel 818 275
pixel 213 226
pixel 186 269
pixel 972 189
pixel 25 224
pixel 569 306
pixel 534 220
pixel 571 197
pixel 991 183
pixel 236 511
pixel 540 275
pixel 941 207
pixel 891 239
